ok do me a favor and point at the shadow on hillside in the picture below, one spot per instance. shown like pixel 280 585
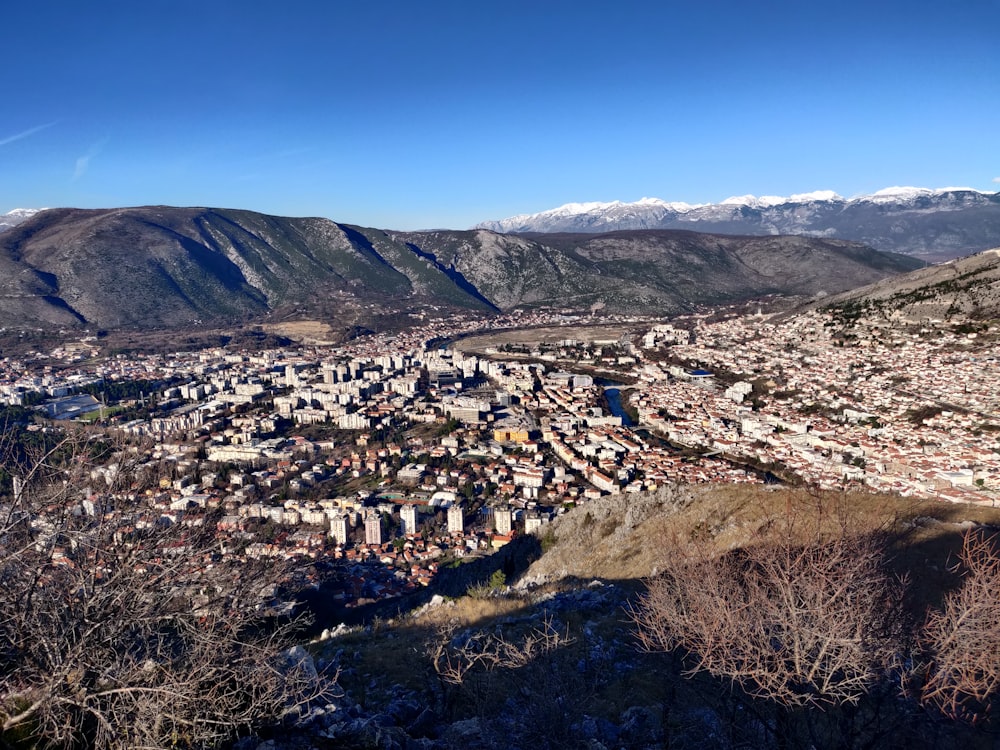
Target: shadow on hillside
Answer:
pixel 596 685
pixel 512 560
pixel 928 554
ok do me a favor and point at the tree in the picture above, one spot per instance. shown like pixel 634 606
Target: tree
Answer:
pixel 118 630
pixel 815 624
pixel 962 639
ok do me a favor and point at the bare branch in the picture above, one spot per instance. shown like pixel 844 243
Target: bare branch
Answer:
pixel 130 632
pixel 798 624
pixel 963 638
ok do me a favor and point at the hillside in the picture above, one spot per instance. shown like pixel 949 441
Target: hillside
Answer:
pixel 629 538
pixel 958 289
pixel 553 661
pixel 712 268
pixel 163 267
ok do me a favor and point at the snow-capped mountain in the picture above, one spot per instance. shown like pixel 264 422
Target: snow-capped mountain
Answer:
pixel 941 223
pixel 15 217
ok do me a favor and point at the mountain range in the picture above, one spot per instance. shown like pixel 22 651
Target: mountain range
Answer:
pixel 160 266
pixel 931 224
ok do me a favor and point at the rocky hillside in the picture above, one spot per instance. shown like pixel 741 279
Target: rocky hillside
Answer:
pixel 160 266
pixel 659 267
pixel 550 658
pixel 963 288
pixel 163 266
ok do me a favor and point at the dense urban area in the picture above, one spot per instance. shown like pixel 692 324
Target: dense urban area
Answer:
pixel 400 453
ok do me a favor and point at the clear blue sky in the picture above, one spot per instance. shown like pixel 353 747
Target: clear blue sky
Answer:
pixel 439 114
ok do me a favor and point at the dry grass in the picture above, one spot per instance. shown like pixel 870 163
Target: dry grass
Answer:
pixel 306 331
pixel 627 537
pixel 468 611
pixel 395 652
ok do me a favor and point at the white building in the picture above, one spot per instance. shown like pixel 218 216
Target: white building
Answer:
pixel 340 528
pixel 503 519
pixel 408 514
pixel 373 529
pixel 456 519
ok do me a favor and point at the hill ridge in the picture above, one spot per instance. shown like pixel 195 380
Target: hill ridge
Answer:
pixel 161 266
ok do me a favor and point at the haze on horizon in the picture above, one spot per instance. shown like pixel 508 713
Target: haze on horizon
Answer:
pixel 443 114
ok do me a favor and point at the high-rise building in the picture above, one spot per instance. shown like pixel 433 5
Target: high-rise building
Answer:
pixel 373 529
pixel 408 514
pixel 503 519
pixel 456 519
pixel 340 528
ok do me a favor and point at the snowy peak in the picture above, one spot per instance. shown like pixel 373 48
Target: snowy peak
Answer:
pixel 902 195
pixel 576 209
pixel 898 193
pixel 766 201
pixel 816 195
pixel 15 217
pixel 895 218
pixel 646 213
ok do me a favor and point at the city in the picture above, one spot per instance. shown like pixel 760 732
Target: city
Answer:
pixel 397 454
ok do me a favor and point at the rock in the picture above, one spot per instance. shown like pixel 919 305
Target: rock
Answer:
pixel 468 732
pixel 641 726
pixel 422 743
pixel 297 658
pixel 367 733
pixel 424 725
pixel 322 716
pixel 404 712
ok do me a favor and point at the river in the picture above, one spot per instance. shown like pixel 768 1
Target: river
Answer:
pixel 614 397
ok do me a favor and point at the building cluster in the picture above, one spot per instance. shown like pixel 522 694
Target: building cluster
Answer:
pixel 394 453
pixel 905 409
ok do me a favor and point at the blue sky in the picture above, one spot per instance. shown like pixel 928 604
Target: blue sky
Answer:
pixel 410 115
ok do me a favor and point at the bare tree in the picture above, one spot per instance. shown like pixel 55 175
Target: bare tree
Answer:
pixel 469 662
pixel 963 638
pixel 118 630
pixel 802 625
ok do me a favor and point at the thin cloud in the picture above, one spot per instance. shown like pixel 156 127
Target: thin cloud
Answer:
pixel 996 179
pixel 26 133
pixel 278 155
pixel 83 163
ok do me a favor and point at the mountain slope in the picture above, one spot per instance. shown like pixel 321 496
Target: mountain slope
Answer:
pixel 163 266
pixel 159 266
pixel 964 288
pixel 935 224
pixel 686 268
pixel 512 271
